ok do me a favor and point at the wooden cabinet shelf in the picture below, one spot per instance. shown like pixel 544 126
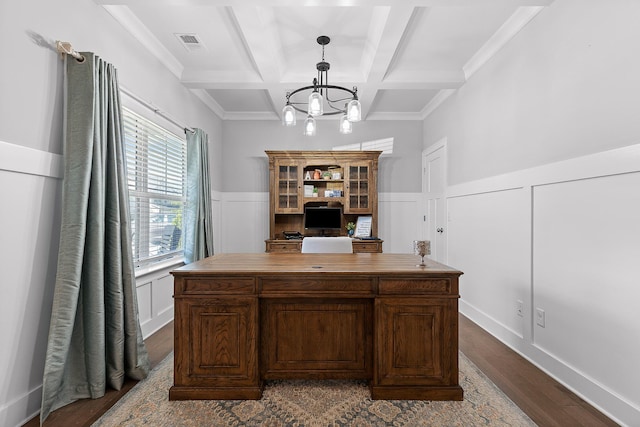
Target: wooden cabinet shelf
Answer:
pixel 347 179
pixel 323 199
pixel 295 246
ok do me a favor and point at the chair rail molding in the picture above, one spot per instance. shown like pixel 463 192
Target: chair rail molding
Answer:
pixel 19 159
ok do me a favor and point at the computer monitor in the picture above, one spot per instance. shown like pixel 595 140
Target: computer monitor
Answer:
pixel 322 218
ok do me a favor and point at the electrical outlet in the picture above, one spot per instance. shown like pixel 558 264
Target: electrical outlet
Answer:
pixel 519 308
pixel 540 317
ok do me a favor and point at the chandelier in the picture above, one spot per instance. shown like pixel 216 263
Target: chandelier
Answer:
pixel 345 102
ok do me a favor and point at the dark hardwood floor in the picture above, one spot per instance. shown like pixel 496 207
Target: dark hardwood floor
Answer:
pixel 85 412
pixel 546 401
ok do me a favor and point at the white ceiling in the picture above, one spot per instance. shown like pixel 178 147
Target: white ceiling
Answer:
pixel 404 56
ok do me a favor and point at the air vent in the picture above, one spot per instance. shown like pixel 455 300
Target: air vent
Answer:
pixel 191 42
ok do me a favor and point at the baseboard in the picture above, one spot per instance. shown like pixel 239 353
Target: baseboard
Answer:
pixel 13 414
pixel 156 323
pixel 581 385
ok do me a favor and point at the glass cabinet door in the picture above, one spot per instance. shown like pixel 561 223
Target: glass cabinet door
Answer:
pixel 288 198
pixel 358 196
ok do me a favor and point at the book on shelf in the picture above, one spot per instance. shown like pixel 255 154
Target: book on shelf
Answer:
pixel 308 190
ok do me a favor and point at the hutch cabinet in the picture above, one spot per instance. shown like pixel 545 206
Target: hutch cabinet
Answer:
pixel 288 187
pixel 297 179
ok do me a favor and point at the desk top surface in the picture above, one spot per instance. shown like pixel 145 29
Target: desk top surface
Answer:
pixel 297 263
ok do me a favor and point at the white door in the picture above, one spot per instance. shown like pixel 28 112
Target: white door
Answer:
pixel 433 187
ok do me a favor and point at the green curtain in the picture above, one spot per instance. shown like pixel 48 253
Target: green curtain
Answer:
pixel 198 222
pixel 95 340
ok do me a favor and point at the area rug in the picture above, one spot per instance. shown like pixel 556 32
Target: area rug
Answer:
pixel 304 403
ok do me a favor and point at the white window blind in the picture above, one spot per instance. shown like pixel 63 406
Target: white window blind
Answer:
pixel 156 173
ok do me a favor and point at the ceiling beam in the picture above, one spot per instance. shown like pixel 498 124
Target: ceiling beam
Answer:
pixel 210 80
pixel 328 3
pixel 258 29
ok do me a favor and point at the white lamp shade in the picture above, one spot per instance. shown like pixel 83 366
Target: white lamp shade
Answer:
pixel 354 111
pixel 310 126
pixel 345 125
pixel 315 104
pixel 288 116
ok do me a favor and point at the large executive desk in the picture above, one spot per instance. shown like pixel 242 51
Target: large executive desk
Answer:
pixel 241 319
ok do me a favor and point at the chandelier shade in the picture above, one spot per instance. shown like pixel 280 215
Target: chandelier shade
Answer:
pixel 316 107
pixel 345 125
pixel 288 116
pixel 354 110
pixel 310 126
pixel 323 100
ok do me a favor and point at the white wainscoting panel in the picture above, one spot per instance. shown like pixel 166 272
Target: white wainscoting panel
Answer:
pixel 30 190
pixel 586 253
pixel 155 300
pixel 400 221
pixel 216 207
pixel 144 295
pixel 564 238
pixel 488 239
pixel 244 221
pixel 163 298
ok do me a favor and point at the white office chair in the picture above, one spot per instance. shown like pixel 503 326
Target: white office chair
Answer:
pixel 327 245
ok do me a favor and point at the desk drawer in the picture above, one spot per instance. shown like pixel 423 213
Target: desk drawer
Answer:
pixel 291 246
pixel 218 286
pixel 298 285
pixel 404 286
pixel 367 246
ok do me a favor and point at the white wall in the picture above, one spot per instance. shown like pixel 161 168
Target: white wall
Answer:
pixel 246 167
pixel 31 83
pixel 543 199
pixel 398 224
pixel 563 238
pixel 566 85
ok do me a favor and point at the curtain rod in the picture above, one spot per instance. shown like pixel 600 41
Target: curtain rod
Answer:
pixel 154 109
pixel 65 48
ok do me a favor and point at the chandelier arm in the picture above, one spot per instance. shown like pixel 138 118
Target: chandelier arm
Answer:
pixel 304 111
pixel 300 90
pixel 338 100
pixel 352 92
pixel 339 110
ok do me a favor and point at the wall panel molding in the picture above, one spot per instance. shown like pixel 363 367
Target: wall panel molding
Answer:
pixel 19 159
pixel 570 251
pixel 611 162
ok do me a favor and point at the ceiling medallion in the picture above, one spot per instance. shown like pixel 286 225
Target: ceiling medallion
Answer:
pixel 346 104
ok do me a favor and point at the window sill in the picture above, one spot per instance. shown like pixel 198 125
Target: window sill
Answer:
pixel 163 265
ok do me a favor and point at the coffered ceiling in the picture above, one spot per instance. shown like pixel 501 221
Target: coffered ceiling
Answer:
pixel 242 56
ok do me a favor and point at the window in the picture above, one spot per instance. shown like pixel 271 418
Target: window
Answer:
pixel 385 145
pixel 156 174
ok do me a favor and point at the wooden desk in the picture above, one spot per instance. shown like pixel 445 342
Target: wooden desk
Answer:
pixel 244 318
